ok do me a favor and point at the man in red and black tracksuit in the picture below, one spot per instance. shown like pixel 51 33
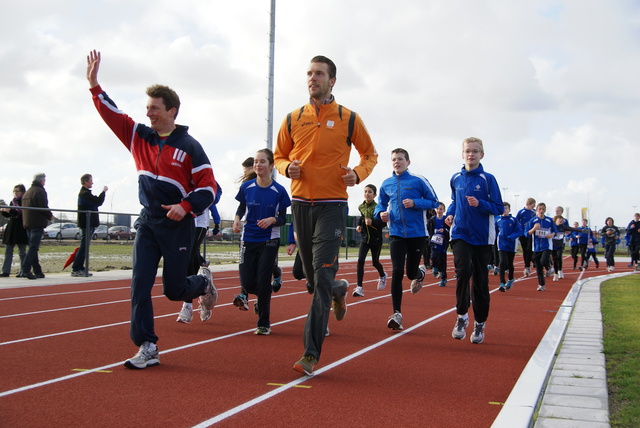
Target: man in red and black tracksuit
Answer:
pixel 175 183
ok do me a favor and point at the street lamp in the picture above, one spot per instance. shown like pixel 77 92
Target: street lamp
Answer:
pixel 516 200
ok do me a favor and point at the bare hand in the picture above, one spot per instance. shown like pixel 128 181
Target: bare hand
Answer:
pixel 236 226
pixel 472 201
pixel 350 178
pixel 408 203
pixel 105 188
pixel 291 248
pixel 368 221
pixel 384 216
pixel 176 212
pixel 294 169
pixel 93 65
pixel 449 220
pixel 265 223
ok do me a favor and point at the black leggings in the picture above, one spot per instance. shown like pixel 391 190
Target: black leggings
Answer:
pixel 404 251
pixel 375 259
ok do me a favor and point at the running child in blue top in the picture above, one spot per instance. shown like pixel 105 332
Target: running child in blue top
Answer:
pixel 265 204
pixel 439 233
pixel 475 200
pixel 523 216
pixel 403 203
pixel 542 228
pixel 509 230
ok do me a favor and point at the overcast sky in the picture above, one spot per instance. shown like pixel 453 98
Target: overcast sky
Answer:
pixel 551 87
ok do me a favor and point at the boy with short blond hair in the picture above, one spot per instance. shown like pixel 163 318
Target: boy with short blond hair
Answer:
pixel 475 200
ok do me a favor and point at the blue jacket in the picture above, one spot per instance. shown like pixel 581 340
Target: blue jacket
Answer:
pixel 406 222
pixel 475 225
pixel 509 230
pixel 523 216
pixel 540 241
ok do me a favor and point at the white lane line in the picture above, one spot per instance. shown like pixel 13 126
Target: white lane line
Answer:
pixel 333 365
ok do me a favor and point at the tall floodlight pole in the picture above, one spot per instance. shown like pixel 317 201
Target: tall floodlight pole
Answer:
pixel 272 47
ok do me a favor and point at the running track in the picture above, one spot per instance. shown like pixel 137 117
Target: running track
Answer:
pixel 62 348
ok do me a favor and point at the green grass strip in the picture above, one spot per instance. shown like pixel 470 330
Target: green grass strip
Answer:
pixel 620 303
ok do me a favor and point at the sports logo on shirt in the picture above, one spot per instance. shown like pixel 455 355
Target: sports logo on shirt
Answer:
pixel 178 157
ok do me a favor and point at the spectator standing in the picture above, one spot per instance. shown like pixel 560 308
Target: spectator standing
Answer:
pixel 175 183
pixel 475 200
pixel 14 232
pixel 404 200
pixel 316 160
pixel 34 222
pixel 86 202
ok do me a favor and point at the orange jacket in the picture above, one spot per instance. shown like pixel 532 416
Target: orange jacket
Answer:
pixel 321 142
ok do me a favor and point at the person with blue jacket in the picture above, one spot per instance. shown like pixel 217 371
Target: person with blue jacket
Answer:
pixel 475 200
pixel 542 229
pixel 509 230
pixel 403 202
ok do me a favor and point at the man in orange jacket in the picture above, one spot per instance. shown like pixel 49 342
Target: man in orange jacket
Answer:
pixel 313 149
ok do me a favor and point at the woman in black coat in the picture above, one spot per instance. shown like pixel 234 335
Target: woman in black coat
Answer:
pixel 14 233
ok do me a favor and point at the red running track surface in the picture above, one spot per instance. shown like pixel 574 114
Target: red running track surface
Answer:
pixel 62 348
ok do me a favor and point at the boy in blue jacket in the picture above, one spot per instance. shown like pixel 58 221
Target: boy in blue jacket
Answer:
pixel 509 230
pixel 475 200
pixel 542 229
pixel 403 203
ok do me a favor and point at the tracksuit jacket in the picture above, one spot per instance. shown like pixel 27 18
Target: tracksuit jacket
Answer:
pixel 509 230
pixel 184 176
pixel 320 141
pixel 406 222
pixel 474 225
pixel 540 241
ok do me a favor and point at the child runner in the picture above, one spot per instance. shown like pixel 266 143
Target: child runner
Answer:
pixel 439 233
pixel 371 230
pixel 633 239
pixel 523 217
pixel 265 204
pixel 402 204
pixel 542 229
pixel 509 230
pixel 574 244
pixel 475 200
pixel 611 236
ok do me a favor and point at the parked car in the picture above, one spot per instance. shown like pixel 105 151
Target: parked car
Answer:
pixel 101 232
pixel 229 235
pixel 62 231
pixel 120 233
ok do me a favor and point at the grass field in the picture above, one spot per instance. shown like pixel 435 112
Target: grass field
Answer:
pixel 620 302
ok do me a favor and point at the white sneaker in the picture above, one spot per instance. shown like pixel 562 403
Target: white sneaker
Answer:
pixel 478 332
pixel 395 321
pixel 358 292
pixel 210 297
pixel 526 272
pixel 459 329
pixel 555 277
pixel 560 274
pixel 186 314
pixel 540 288
pixel 147 356
pixel 416 284
pixel 382 282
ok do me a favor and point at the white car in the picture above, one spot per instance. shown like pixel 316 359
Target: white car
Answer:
pixel 62 231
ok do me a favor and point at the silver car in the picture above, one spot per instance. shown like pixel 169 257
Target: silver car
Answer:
pixel 62 231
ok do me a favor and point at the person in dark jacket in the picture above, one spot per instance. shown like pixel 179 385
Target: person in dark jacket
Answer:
pixel 14 233
pixel 371 231
pixel 34 221
pixel 86 202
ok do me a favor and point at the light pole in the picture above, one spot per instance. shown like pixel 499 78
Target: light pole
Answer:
pixel 516 200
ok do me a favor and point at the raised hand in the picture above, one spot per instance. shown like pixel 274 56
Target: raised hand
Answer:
pixel 93 65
